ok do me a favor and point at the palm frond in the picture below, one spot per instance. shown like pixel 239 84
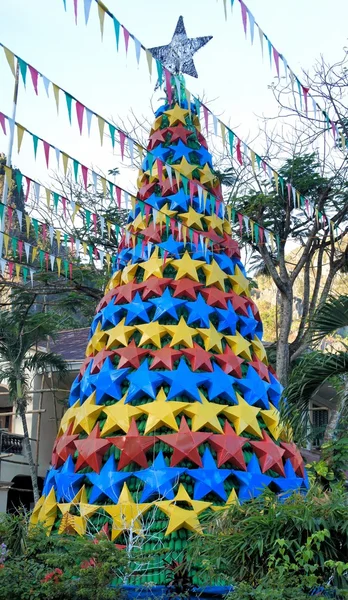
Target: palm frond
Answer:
pixel 45 360
pixel 329 317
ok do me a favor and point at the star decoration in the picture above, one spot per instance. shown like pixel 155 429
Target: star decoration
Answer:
pixel 126 293
pixel 179 201
pixel 81 496
pixel 185 444
pixel 155 201
pixel 87 384
pixel 64 447
pixel 260 368
pixel 179 133
pixel 239 345
pixel 168 187
pixel 143 382
pixel 240 284
pixel 154 266
pixel 119 335
pixel 91 450
pixel 211 338
pixel 128 273
pixel 192 219
pixel 253 388
pixel 185 168
pixel 176 115
pixel 220 385
pixel 244 417
pixel 204 155
pixel 86 415
pixel 199 311
pixel 133 446
pixel 162 412
pixel 84 366
pixel 108 382
pixel 154 287
pixel 186 288
pixel 207 176
pixel 183 517
pixel 239 303
pixel 271 418
pixel 181 334
pixel 146 190
pixel 275 390
pixel 269 454
pixel 209 478
pixel 167 305
pixel 293 453
pixel 159 479
pixel 45 511
pixel 137 309
pixel 67 481
pixel 99 360
pixel 110 315
pixel 184 382
pixel 259 349
pixel 247 326
pixel 68 417
pixel 228 447
pixel 205 414
pixel 252 481
pixel 227 319
pixel 119 416
pixel 126 514
pixel 289 483
pixel 198 358
pixel 172 247
pixel 156 138
pixel 74 523
pixel 215 297
pixel 225 263
pixel 164 357
pixel 151 333
pixel 214 222
pixel 97 341
pixel 130 356
pixel 180 150
pixel 187 267
pixel 232 499
pixel 114 281
pixel 214 275
pixel 229 362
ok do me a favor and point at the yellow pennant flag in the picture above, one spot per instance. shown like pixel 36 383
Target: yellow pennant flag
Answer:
pixel 108 258
pixel 58 239
pixel 276 179
pixel 223 133
pixel 178 178
pixel 140 150
pixel 149 61
pixel 133 201
pixel 108 224
pixel 229 212
pixel 252 228
pixel 272 240
pixel 205 196
pixel 134 240
pixel 76 210
pixel 225 9
pixel 298 199
pixel 103 182
pixel 34 253
pixel 10 59
pixel 84 245
pixel 252 155
pixel 184 233
pixel 188 96
pixel 343 140
pixel 8 175
pixel 65 159
pixel 27 221
pixel 6 241
pixel 48 197
pixel 18 270
pixel 59 263
pixel 56 95
pixel 101 125
pixel 101 14
pixel 20 133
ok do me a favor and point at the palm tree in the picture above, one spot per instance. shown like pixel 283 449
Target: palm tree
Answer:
pixel 21 330
pixel 318 366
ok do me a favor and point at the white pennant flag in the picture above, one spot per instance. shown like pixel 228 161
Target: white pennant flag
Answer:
pixel 95 181
pixel 46 83
pixel 73 208
pixel 37 190
pixel 149 248
pixel 267 236
pixel 246 223
pixel 31 271
pixel 170 174
pixel 52 259
pixel 179 230
pixel 101 256
pixel 126 198
pixel 215 124
pixel 89 116
pixel 137 49
pixel 27 250
pixel 20 218
pixel 270 173
pixel 77 246
pixel 57 151
pixel 261 40
pixel 127 237
pixel 155 215
pixel 131 150
pixel 178 88
pixel 2 265
pixel 51 230
pixel 102 225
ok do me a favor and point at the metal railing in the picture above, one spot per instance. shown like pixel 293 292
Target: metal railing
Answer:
pixel 11 442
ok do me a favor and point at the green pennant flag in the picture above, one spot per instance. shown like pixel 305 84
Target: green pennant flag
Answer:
pixel 36 227
pixel 25 274
pixel 150 161
pixel 190 235
pixel 198 106
pixel 14 246
pixel 231 140
pixel 19 178
pixel 258 160
pixel 65 266
pixel 23 69
pixel 256 232
pixel 88 218
pixel 55 200
pixel 112 130
pixel 167 224
pixel 278 242
pixel 142 208
pixel 213 204
pixel 281 181
pixel 68 99
pixel 234 214
pixel 302 200
pixel 76 168
pixel 184 183
pixel 35 142
pixel 41 257
pixel 117 31
pixel 90 250
pixel 117 230
pixel 111 188
pixel 1 212
pixel 159 72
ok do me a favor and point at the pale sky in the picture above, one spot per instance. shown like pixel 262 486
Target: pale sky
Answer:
pixel 231 73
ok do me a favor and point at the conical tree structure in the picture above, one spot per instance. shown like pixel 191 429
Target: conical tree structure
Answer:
pixel 175 411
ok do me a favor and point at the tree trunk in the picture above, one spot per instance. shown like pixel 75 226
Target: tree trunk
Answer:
pixel 283 352
pixel 29 453
pixel 336 414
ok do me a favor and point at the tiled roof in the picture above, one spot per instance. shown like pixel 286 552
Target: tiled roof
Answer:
pixel 71 343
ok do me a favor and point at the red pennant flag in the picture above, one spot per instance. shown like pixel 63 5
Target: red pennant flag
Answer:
pixel 172 227
pixel 240 221
pixel 20 249
pixel 64 205
pixel 239 152
pixel 10 269
pixel 3 122
pixel 118 196
pixel 305 94
pixel 34 77
pixel 165 257
pixel 143 244
pixel 96 253
pixel 28 188
pixel 276 59
pixel 195 239
pixel 261 234
pixel 46 260
pixel 126 38
pixel 75 11
pixel 84 175
pixel 79 113
pixel 122 140
pixel 244 15
pixel 147 210
pixel 10 215
pixel 206 117
pixel 288 185
pixel 94 217
pixel 72 243
pixel 47 151
pixel 160 170
pixel 70 270
pixel 168 85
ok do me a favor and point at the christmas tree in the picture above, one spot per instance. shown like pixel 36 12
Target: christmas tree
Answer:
pixel 174 414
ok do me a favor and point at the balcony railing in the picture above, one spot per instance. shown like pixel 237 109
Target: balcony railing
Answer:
pixel 11 442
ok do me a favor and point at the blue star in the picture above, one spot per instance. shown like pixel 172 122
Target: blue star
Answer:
pixel 199 311
pixel 108 482
pixel 252 481
pixel 143 382
pixel 137 309
pixel 160 151
pixel 221 385
pixel 166 305
pixel 275 390
pixel 254 389
pixel 286 485
pixel 138 253
pixel 156 201
pixel 179 200
pixel 181 150
pixel 205 156
pixel 68 482
pixel 174 248
pixel 74 391
pixel 159 479
pixel 201 254
pixel 87 385
pixel 227 318
pixel 111 315
pixel 184 381
pixel 225 263
pixel 209 478
pixel 49 482
pixel 247 326
pixel 108 382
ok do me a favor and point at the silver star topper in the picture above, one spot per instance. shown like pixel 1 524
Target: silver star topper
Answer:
pixel 177 56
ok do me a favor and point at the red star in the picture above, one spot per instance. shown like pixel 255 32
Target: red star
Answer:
pixel 64 447
pixel 164 357
pixel 239 303
pixel 125 293
pixel 269 454
pixel 167 188
pixel 231 246
pixel 91 450
pixel 100 358
pixel 130 356
pixel 202 140
pixel 186 288
pixel 228 447
pixel 199 358
pixel 185 443
pixel 146 190
pixel 254 310
pixel 292 452
pixel 154 286
pixel 106 299
pixel 151 233
pixel 211 235
pixel 229 362
pixel 215 297
pixel 133 446
pixel 261 368
pixel 179 133
pixel 84 366
pixel 156 138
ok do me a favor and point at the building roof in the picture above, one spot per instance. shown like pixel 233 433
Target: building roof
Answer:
pixel 71 344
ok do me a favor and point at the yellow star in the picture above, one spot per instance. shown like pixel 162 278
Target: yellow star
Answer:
pixel 271 418
pixel 45 511
pixel 97 341
pixel 126 514
pixel 151 333
pixel 154 266
pixel 196 122
pixel 128 273
pixel 232 499
pixel 68 416
pixel 177 115
pixel 239 345
pixel 119 416
pixel 244 417
pixel 227 227
pixel 81 496
pixel 207 176
pixel 181 333
pixel 185 168
pixel 120 334
pixel 187 267
pixel 192 218
pixel 211 338
pixel 161 412
pixel 156 124
pixel 72 523
pixel 87 415
pixel 214 275
pixel 259 349
pixel 240 284
pixel 139 222
pixel 114 281
pixel 204 414
pixel 183 517
pixel 161 214
pixel 214 222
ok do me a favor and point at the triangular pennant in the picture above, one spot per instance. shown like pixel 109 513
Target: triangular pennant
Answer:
pixel 101 14
pixel 34 77
pixel 10 59
pixel 117 31
pixel 87 7
pixel 68 99
pixel 79 113
pixel 101 125
pixel 23 70
pixel 56 95
pixel 20 133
